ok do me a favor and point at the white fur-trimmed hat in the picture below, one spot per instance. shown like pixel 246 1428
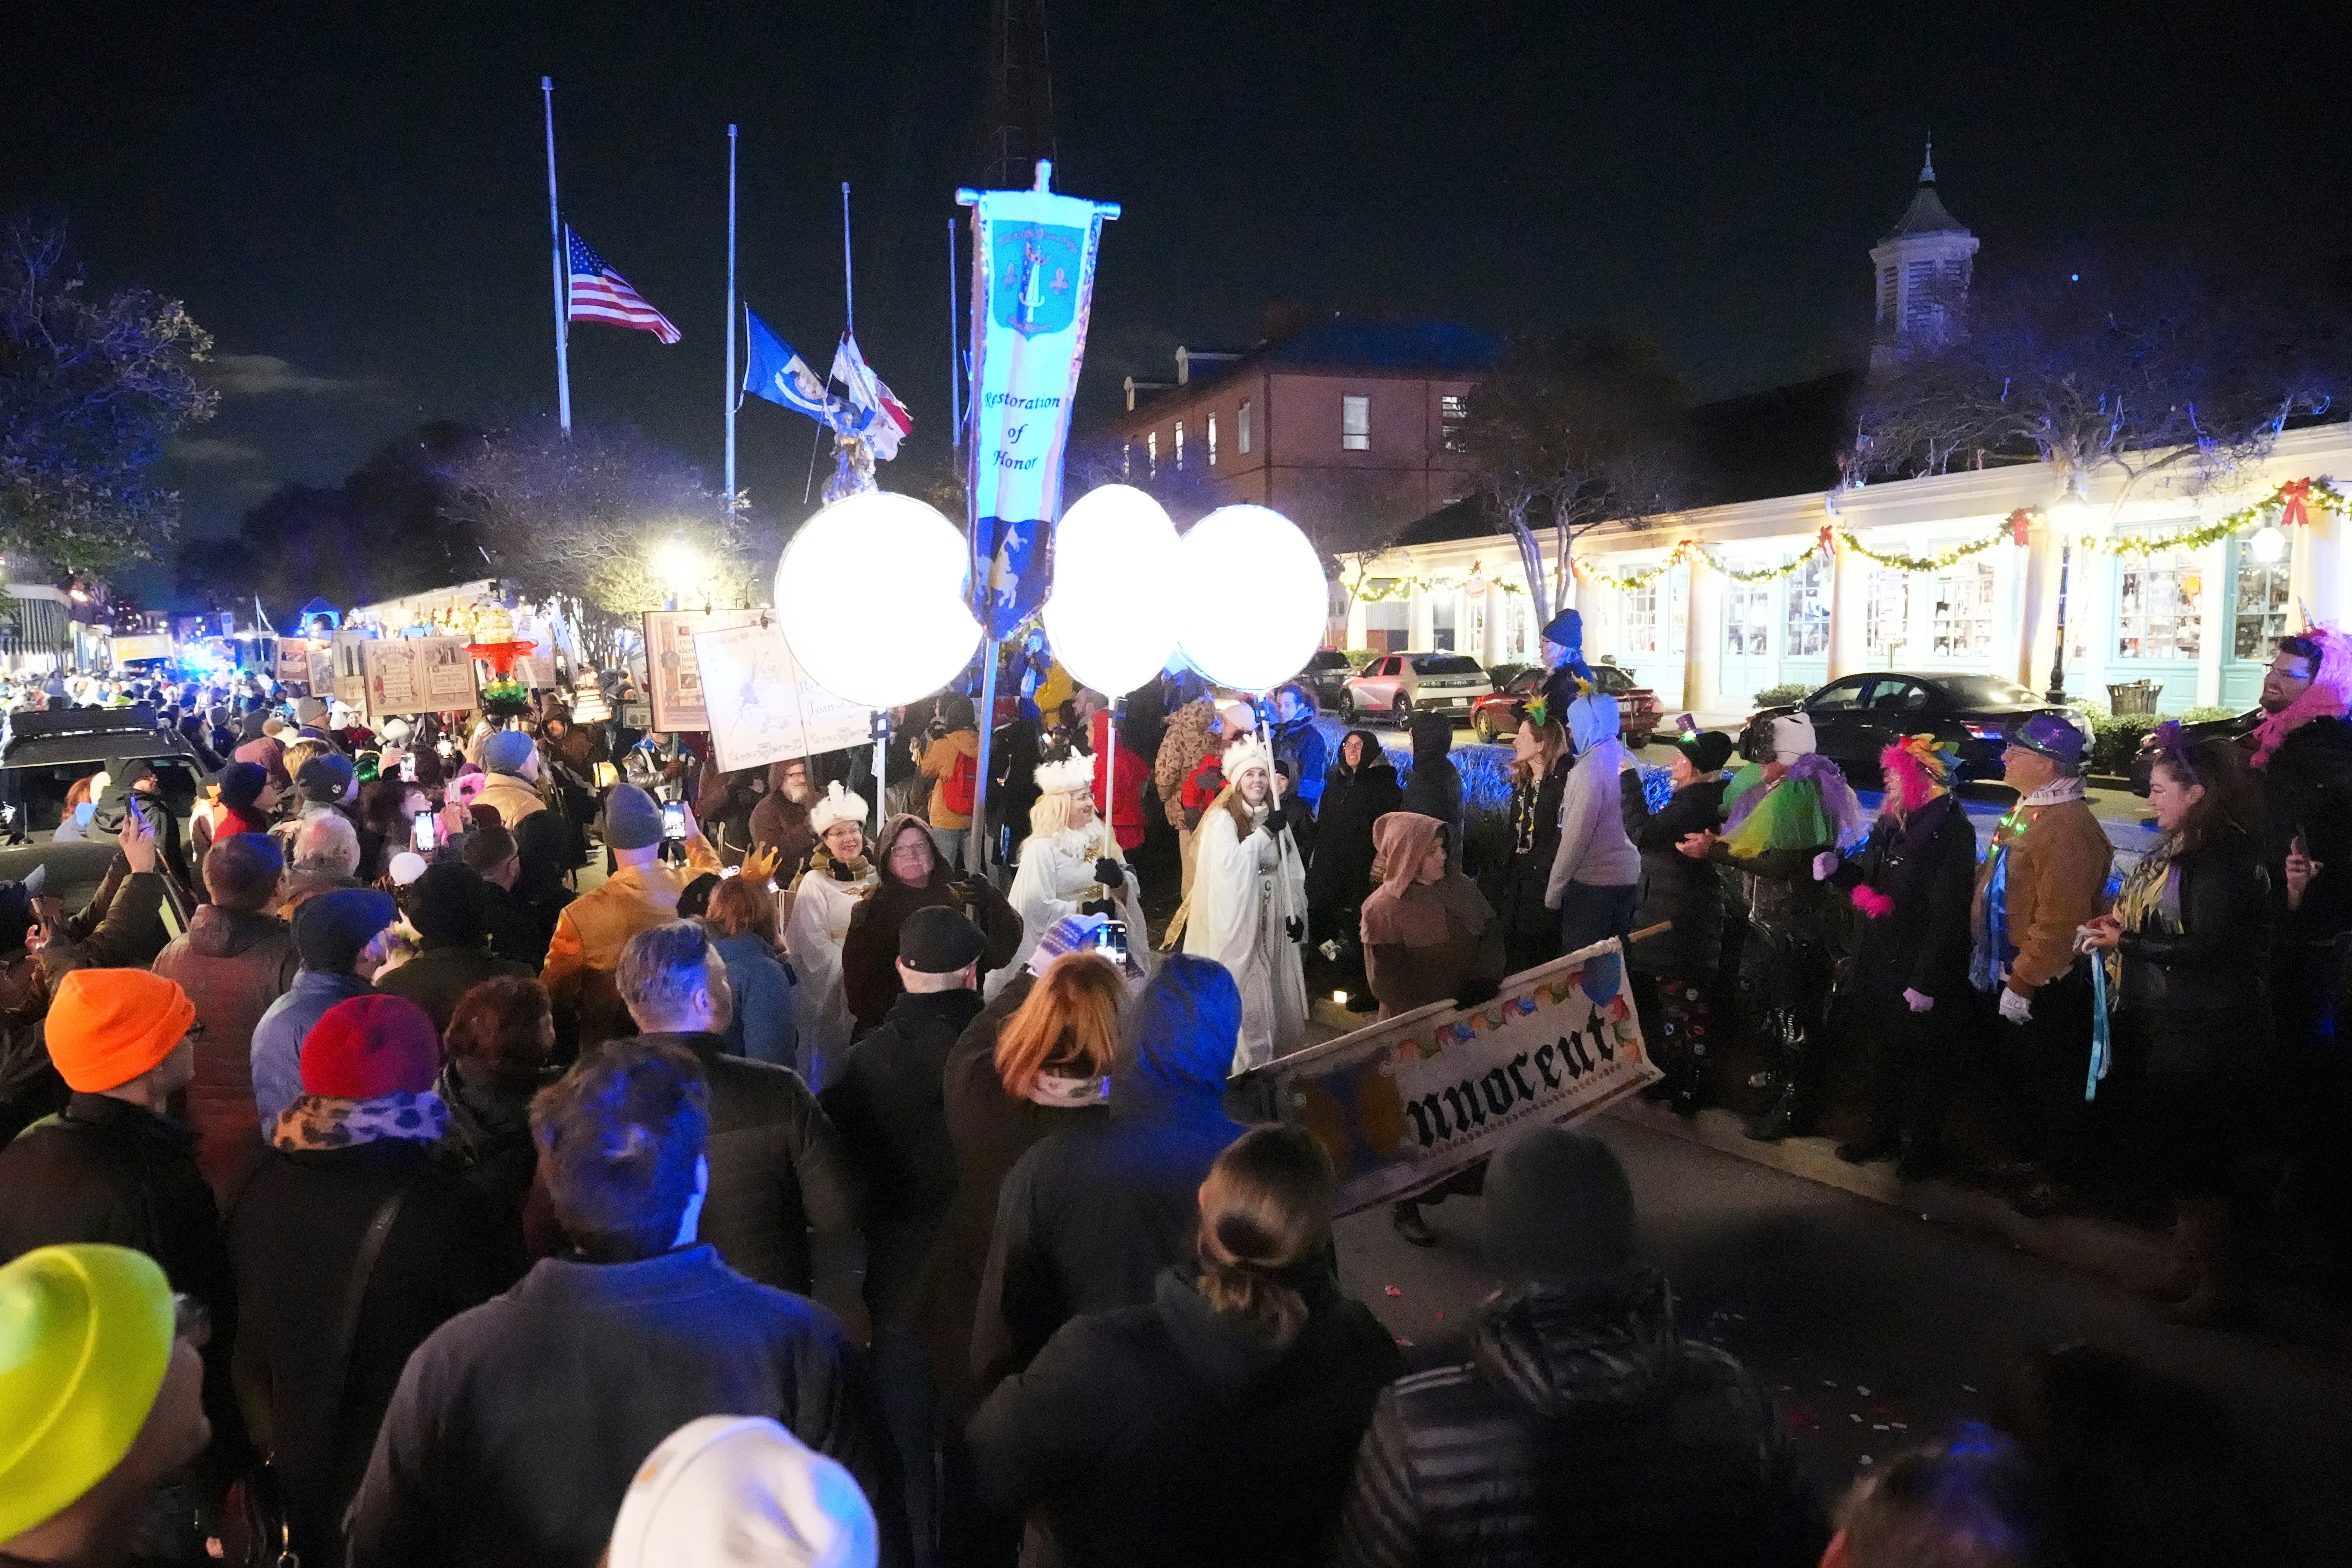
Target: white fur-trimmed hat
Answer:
pixel 1792 737
pixel 1074 774
pixel 1246 753
pixel 838 805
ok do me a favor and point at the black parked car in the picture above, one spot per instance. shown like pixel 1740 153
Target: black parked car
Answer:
pixel 1325 675
pixel 1855 718
pixel 2235 728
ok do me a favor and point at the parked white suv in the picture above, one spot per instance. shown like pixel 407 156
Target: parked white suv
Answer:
pixel 1396 685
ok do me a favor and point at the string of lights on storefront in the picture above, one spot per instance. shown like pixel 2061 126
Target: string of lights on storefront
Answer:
pixel 2290 501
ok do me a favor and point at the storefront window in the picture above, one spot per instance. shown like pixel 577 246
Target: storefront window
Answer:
pixel 1808 609
pixel 1444 616
pixel 2260 618
pixel 2158 613
pixel 1386 622
pixel 1963 626
pixel 1642 618
pixel 1747 619
pixel 1888 625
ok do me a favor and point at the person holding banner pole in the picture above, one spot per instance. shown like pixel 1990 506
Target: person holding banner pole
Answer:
pixel 1429 936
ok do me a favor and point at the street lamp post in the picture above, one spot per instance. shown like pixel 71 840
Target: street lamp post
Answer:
pixel 2068 515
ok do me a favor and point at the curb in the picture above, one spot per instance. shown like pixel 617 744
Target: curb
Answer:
pixel 2133 1258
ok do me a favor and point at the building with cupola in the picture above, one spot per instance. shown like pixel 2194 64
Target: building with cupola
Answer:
pixel 2172 589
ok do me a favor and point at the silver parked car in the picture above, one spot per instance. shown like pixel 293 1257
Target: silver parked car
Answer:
pixel 1396 685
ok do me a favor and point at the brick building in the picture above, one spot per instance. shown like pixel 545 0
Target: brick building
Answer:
pixel 1345 426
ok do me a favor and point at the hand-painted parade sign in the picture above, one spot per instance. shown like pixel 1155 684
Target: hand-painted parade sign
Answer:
pixel 1403 1104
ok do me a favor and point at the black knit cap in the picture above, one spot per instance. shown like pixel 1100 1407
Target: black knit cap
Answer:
pixel 937 939
pixel 1707 750
pixel 1558 1207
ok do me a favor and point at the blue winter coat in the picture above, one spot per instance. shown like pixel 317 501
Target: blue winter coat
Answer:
pixel 761 1028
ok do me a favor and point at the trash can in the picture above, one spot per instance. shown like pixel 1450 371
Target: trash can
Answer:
pixel 2133 697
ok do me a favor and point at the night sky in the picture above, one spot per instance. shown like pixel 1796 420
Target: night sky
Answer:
pixel 357 209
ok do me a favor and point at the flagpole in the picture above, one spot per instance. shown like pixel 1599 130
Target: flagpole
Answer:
pixel 732 399
pixel 555 239
pixel 955 354
pixel 848 283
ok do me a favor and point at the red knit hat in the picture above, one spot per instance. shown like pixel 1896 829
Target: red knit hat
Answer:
pixel 371 1046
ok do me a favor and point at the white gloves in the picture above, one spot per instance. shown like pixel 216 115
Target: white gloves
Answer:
pixel 2015 1006
pixel 1826 865
pixel 1917 1001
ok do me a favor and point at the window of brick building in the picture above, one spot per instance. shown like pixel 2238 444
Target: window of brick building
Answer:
pixel 1151 455
pixel 1180 445
pixel 1242 429
pixel 1212 440
pixel 1452 410
pixel 1356 424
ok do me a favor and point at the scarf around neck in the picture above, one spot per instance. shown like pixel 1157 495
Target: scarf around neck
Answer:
pixel 1066 1093
pixel 314 1122
pixel 2057 792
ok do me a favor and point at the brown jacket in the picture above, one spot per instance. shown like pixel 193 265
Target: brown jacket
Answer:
pixel 1190 735
pixel 1403 978
pixel 233 965
pixel 938 762
pixel 512 798
pixel 782 824
pixel 2058 861
pixel 585 955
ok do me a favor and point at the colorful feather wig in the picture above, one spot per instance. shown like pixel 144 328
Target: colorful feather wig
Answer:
pixel 1918 769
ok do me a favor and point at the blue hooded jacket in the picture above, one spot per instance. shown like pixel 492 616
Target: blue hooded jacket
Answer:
pixel 1091 1215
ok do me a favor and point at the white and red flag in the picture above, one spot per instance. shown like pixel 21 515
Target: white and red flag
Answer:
pixel 887 420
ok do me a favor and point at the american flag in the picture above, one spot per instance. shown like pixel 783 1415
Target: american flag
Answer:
pixel 601 294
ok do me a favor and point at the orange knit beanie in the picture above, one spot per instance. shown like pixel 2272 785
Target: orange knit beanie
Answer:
pixel 106 1026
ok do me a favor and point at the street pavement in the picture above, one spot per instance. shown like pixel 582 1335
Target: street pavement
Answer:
pixel 1873 1326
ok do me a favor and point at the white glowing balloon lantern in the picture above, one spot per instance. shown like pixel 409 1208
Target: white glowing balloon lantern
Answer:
pixel 1111 617
pixel 870 594
pixel 1253 598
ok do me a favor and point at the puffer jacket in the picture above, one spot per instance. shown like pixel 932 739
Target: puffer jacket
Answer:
pixel 1585 1430
pixel 777 1168
pixel 2219 958
pixel 1676 888
pixel 583 956
pixel 233 965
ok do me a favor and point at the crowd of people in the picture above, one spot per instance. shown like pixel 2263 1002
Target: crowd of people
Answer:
pixel 640 1164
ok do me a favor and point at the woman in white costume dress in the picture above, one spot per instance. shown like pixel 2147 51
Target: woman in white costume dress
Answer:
pixel 838 873
pixel 1070 865
pixel 1248 904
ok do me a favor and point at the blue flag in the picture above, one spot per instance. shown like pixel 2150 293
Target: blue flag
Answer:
pixel 1016 573
pixel 773 371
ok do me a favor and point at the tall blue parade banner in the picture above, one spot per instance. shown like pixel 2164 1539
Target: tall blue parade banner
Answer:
pixel 1033 275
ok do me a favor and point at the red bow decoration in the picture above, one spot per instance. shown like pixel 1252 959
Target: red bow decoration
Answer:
pixel 2293 512
pixel 2019 521
pixel 1824 541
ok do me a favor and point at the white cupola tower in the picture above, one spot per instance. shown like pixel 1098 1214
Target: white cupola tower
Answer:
pixel 1922 268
